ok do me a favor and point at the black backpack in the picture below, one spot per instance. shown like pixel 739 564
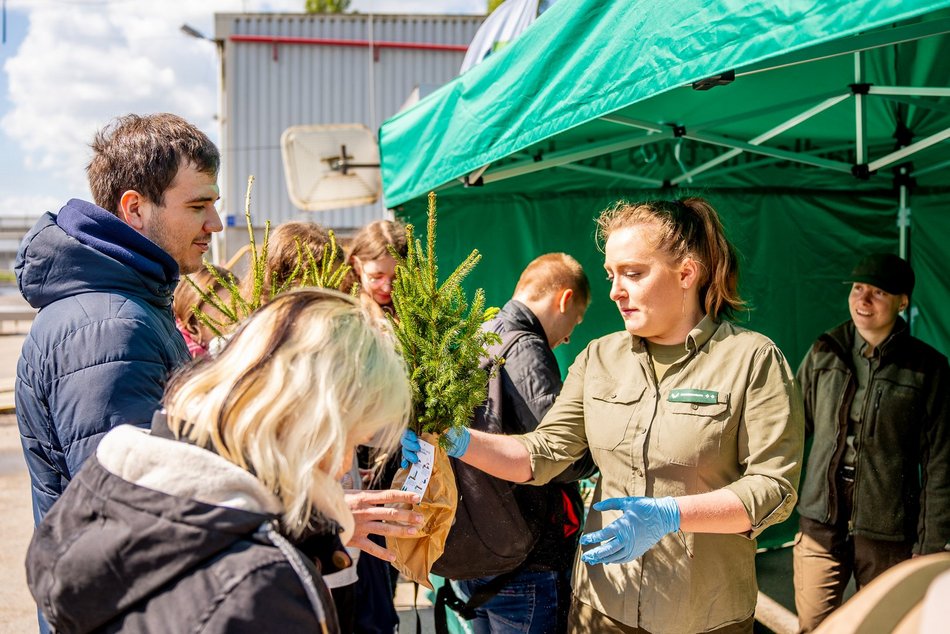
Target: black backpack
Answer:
pixel 489 536
pixel 498 523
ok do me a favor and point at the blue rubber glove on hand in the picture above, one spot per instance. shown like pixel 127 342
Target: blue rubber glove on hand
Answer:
pixel 644 522
pixel 458 444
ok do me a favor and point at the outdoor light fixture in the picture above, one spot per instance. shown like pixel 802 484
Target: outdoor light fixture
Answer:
pixel 193 32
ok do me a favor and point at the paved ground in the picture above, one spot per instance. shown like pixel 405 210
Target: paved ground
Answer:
pixel 17 611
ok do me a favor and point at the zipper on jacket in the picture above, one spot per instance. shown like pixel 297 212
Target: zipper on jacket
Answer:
pixel 870 420
pixel 875 412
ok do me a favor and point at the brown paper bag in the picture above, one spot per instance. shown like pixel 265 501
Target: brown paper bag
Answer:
pixel 415 555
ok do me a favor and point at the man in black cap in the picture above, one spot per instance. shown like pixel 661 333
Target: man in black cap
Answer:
pixel 876 489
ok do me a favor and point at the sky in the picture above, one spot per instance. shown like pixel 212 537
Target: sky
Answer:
pixel 69 66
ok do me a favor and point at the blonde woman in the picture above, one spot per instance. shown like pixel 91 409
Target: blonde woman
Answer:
pixel 190 528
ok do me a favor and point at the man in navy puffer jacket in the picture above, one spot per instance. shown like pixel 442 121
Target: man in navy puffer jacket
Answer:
pixel 102 275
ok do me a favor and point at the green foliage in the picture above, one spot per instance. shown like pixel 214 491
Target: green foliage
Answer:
pixel 326 6
pixel 440 335
pixel 492 5
pixel 306 272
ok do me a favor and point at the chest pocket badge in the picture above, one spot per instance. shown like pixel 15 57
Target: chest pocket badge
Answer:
pixel 695 424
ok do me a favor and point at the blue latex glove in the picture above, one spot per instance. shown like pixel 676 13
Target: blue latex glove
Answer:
pixel 644 522
pixel 458 445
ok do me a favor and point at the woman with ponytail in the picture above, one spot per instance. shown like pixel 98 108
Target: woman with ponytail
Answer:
pixel 695 423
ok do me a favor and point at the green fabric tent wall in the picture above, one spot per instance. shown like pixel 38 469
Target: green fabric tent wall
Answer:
pixel 594 103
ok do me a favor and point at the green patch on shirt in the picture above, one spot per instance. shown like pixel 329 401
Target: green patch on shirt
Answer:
pixel 690 395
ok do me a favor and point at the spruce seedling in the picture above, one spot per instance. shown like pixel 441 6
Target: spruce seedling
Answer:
pixel 440 334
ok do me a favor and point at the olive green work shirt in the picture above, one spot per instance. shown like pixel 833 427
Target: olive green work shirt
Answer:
pixel 728 415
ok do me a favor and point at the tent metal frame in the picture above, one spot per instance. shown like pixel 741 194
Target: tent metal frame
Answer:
pixel 864 168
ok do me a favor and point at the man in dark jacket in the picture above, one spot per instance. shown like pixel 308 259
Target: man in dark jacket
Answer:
pixel 877 486
pixel 102 276
pixel 550 300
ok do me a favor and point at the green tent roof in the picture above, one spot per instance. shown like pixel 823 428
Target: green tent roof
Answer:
pixel 602 90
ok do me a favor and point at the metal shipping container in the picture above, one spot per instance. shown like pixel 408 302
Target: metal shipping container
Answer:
pixel 280 70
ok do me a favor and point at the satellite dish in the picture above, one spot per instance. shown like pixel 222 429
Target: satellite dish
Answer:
pixel 330 166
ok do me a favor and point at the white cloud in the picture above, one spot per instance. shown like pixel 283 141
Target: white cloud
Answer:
pixel 29 205
pixel 83 62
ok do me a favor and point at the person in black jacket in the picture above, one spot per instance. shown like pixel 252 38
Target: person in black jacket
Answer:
pixel 102 276
pixel 211 522
pixel 877 406
pixel 549 301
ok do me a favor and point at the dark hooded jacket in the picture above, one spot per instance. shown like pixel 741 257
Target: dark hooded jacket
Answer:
pixel 156 535
pixel 102 345
pixel 902 473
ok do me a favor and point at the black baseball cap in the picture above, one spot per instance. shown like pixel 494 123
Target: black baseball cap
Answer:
pixel 886 271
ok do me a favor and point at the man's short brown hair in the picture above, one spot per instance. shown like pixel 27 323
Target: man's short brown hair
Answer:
pixel 144 153
pixel 550 273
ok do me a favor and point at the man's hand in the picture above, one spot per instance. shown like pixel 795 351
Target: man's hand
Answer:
pixel 372 518
pixel 644 522
pixel 458 444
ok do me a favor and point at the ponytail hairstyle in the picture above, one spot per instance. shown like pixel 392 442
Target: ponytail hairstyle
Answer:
pixel 687 228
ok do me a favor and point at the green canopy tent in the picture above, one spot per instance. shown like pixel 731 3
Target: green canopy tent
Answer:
pixel 814 128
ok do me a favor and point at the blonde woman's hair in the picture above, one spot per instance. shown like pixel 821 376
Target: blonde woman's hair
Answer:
pixel 302 381
pixel 687 228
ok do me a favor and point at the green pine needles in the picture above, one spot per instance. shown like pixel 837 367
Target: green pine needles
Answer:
pixel 307 271
pixel 440 334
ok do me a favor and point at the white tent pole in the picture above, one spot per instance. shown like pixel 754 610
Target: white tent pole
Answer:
pixel 473 177
pixel 903 222
pixel 931 168
pixel 903 216
pixel 572 155
pixel 860 124
pixel 909 91
pixel 787 155
pixel 907 150
pixel 598 171
pixel 762 138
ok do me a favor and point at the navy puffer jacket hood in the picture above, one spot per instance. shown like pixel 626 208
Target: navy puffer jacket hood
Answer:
pixel 86 249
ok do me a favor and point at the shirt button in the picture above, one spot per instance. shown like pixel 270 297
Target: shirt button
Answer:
pixel 695 406
pixel 636 471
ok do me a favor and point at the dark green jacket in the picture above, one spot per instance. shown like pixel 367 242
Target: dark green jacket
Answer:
pixel 902 477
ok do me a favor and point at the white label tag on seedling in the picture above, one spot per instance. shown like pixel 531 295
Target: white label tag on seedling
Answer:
pixel 421 471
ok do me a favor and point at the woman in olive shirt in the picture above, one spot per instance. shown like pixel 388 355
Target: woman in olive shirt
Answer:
pixel 695 423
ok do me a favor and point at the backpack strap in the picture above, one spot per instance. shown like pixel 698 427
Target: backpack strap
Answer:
pixel 446 598
pixel 508 340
